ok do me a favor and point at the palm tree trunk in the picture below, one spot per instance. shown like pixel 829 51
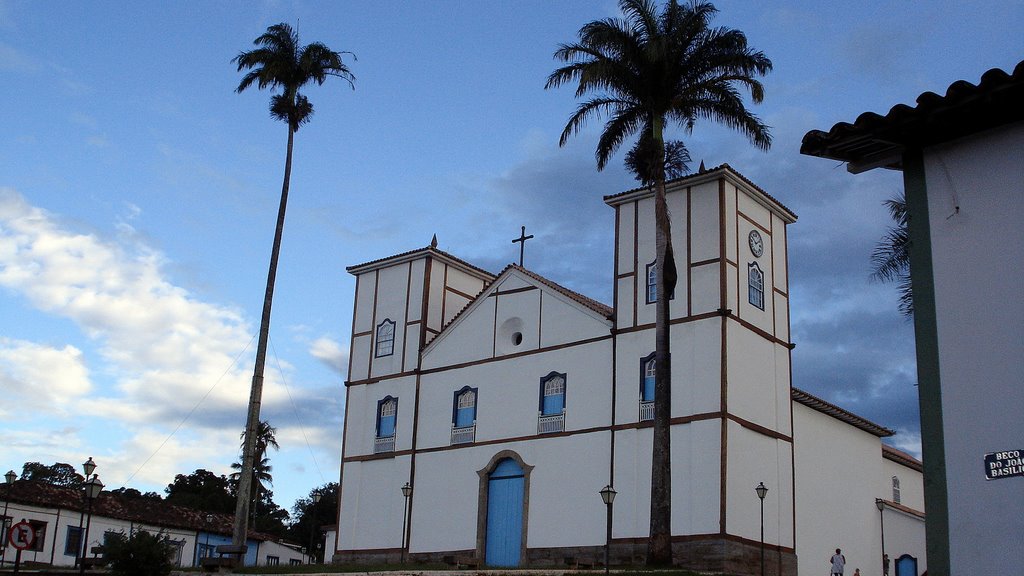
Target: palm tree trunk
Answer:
pixel 659 546
pixel 256 393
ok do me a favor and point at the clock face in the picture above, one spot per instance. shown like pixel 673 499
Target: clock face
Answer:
pixel 756 244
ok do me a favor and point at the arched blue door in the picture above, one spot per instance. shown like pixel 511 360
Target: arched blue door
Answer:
pixel 504 514
pixel 906 565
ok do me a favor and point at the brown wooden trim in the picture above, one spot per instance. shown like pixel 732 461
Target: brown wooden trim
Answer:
pixel 636 257
pixel 405 321
pixel 771 264
pixel 381 456
pixel 516 355
pixel 705 316
pixel 759 429
pixel 355 309
pixel 563 434
pixel 459 293
pixel 540 317
pixel 724 432
pixel 752 221
pixel 730 262
pixel 376 379
pixel 361 334
pixel 672 422
pixel 683 320
pixel 736 227
pixel 689 251
pixel 494 331
pixel 432 331
pixel 373 324
pixel 499 292
pixel 625 275
pixel 444 295
pixel 780 292
pixel 412 322
pixel 705 262
pixel 428 265
pixel 341 467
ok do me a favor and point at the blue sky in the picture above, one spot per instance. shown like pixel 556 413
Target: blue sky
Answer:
pixel 138 195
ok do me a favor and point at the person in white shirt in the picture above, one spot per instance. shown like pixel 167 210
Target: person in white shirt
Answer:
pixel 838 562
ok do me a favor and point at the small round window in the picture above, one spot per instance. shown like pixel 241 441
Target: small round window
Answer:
pixel 517 338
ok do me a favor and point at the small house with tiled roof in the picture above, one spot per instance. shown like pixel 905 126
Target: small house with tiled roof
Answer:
pixel 503 403
pixel 59 516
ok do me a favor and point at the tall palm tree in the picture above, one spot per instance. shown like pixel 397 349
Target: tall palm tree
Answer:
pixel 279 61
pixel 266 437
pixel 645 71
pixel 891 257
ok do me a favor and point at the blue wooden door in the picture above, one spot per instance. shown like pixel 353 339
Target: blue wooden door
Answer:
pixel 504 514
pixel 906 565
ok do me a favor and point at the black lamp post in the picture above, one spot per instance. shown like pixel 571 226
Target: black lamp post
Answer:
pixel 762 491
pixel 209 526
pixel 406 492
pixel 880 504
pixel 93 487
pixel 312 526
pixel 10 477
pixel 88 467
pixel 608 496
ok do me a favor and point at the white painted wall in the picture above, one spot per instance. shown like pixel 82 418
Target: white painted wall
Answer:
pixel 976 256
pixel 838 470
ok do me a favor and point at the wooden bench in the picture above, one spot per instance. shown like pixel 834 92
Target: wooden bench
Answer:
pixel 229 557
pixel 94 562
pixel 462 562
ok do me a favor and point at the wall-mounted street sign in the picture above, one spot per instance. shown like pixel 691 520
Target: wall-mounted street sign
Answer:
pixel 1005 464
pixel 22 536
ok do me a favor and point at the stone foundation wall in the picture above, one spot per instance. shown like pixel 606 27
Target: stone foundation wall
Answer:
pixel 702 554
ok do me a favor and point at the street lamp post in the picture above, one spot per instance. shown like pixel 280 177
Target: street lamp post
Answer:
pixel 312 526
pixel 608 496
pixel 88 467
pixel 762 491
pixel 209 526
pixel 10 477
pixel 406 492
pixel 93 487
pixel 880 504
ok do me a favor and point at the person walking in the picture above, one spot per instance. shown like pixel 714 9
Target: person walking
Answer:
pixel 838 562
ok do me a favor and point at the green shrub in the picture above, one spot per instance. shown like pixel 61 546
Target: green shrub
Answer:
pixel 143 554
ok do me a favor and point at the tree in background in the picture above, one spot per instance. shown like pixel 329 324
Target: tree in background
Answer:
pixel 144 554
pixel 58 474
pixel 202 490
pixel 310 516
pixel 890 260
pixel 266 437
pixel 279 61
pixel 644 71
pixel 134 494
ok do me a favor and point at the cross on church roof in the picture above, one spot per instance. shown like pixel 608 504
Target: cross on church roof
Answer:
pixel 522 243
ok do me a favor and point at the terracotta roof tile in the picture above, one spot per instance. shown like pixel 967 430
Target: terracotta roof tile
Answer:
pixel 901 457
pixel 964 109
pixel 834 411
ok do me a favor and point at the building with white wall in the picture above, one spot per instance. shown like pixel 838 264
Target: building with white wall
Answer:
pixel 507 401
pixel 962 158
pixel 58 516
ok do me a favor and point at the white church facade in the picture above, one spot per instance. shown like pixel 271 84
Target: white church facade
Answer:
pixel 504 403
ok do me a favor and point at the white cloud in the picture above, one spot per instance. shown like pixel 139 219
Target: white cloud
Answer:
pixel 331 353
pixel 41 377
